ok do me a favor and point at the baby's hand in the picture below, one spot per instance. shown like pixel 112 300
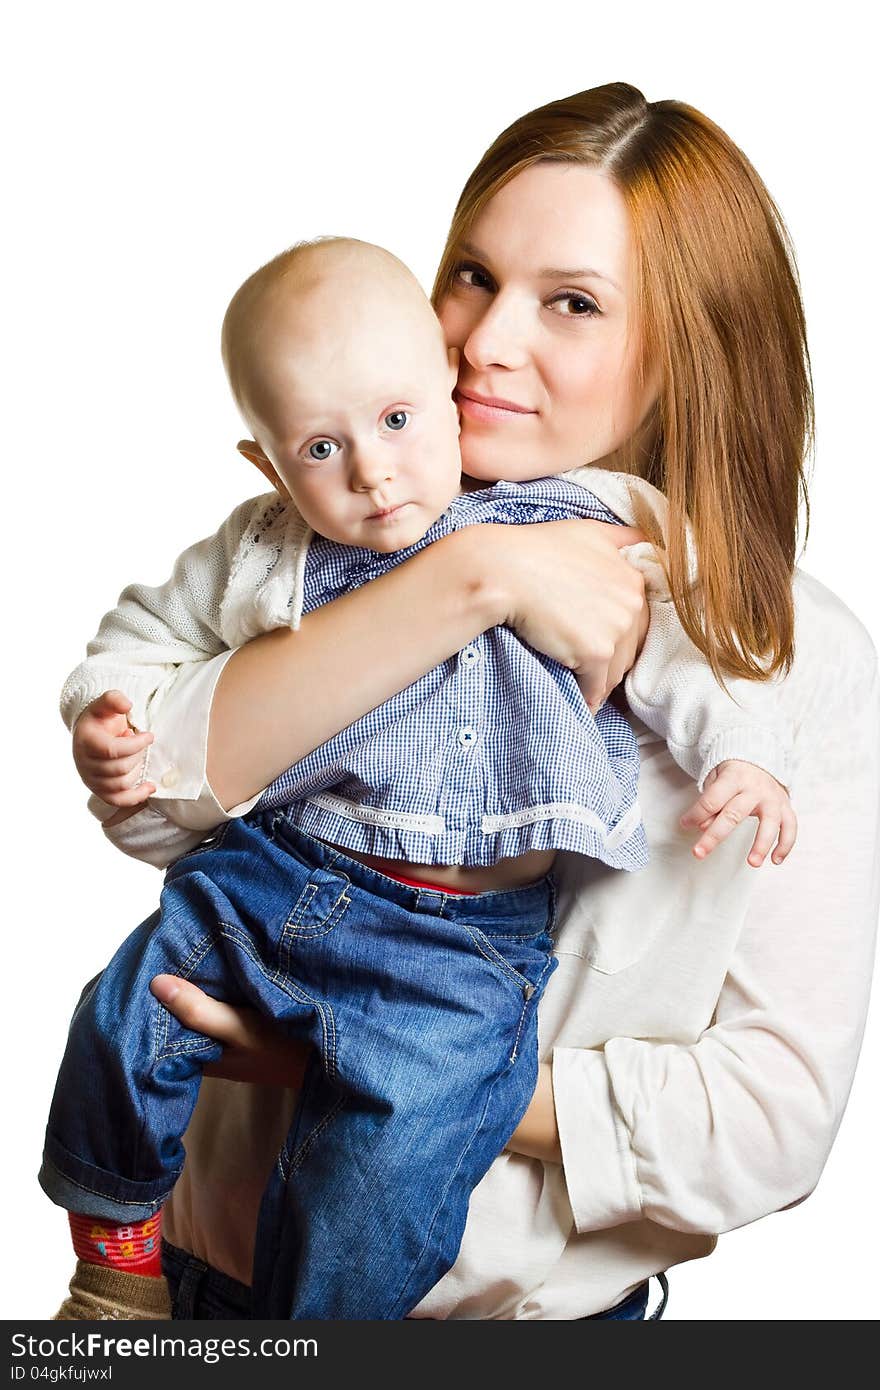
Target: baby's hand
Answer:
pixel 734 790
pixel 109 752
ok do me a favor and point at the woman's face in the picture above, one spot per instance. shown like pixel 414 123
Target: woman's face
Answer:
pixel 543 312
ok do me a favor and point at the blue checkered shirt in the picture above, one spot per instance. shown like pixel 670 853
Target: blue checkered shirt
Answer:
pixel 492 753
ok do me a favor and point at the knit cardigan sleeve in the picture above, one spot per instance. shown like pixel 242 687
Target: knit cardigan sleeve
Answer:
pixel 671 687
pixel 244 580
pixel 152 632
pixel 166 647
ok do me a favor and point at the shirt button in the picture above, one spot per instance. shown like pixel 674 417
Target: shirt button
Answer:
pixel 469 656
pixel 467 736
pixel 171 777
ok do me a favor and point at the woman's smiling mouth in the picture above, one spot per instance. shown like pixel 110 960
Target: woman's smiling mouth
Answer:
pixel 478 407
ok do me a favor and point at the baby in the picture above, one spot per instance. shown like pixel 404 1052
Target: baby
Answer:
pixel 336 903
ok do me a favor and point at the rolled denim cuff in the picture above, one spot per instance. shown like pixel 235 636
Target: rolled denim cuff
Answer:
pixel 90 1191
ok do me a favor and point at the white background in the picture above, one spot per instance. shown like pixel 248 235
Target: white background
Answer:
pixel 159 154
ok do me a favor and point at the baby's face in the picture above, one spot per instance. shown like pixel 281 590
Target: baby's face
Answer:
pixel 350 397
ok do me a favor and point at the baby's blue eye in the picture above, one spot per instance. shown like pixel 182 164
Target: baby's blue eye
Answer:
pixel 322 449
pixel 397 419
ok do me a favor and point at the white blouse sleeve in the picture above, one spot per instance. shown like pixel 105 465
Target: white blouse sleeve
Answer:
pixel 708 1135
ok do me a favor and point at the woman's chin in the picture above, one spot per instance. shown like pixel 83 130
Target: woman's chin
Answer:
pixel 487 464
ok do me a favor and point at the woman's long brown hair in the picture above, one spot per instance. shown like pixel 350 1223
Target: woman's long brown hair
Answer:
pixel 722 323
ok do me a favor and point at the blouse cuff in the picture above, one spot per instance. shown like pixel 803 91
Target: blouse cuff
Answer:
pixel 177 759
pixel 597 1160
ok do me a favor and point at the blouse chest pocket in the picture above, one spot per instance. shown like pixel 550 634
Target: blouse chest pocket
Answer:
pixel 612 918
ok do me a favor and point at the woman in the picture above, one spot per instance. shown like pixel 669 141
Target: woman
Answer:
pixel 620 290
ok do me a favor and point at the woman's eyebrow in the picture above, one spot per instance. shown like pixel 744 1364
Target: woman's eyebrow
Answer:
pixel 549 272
pixel 587 272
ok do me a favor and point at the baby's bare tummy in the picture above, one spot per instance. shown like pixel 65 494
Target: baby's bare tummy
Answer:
pixel 507 873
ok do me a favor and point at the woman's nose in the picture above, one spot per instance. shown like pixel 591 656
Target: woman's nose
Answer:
pixel 499 336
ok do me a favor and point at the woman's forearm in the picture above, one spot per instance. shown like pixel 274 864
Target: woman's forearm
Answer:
pixel 537 1134
pixel 285 693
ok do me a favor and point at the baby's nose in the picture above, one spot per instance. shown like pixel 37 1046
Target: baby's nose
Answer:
pixel 370 468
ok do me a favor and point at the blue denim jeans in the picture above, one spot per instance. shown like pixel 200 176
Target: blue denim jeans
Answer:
pixel 202 1293
pixel 421 1009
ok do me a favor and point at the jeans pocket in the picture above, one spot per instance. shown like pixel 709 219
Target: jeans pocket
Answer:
pixel 524 961
pixel 320 907
pixel 519 948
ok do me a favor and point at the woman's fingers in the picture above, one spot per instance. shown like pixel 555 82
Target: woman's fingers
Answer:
pixel 625 656
pixel 254 1048
pixel 198 1011
pixel 594 688
pixel 627 535
pixel 576 599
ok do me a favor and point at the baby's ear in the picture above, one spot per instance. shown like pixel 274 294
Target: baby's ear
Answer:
pixel 252 451
pixel 454 357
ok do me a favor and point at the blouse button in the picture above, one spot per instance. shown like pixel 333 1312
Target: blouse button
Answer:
pixel 171 777
pixel 467 736
pixel 469 656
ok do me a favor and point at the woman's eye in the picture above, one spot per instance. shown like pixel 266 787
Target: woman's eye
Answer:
pixel 572 306
pixel 396 419
pixel 475 277
pixel 322 449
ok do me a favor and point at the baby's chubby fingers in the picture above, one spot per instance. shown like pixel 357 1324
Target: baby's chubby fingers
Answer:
pixel 733 791
pixel 108 704
pixel 97 744
pixel 728 818
pixel 112 767
pixel 787 834
pixel 128 744
pixel 765 838
pixel 717 791
pixel 123 796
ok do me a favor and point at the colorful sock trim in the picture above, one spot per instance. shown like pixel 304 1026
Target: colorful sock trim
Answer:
pixel 135 1248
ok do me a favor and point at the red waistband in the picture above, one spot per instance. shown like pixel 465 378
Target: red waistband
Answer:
pixel 434 887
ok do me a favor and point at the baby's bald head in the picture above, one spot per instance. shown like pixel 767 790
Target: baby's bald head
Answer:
pixel 333 295
pixel 338 364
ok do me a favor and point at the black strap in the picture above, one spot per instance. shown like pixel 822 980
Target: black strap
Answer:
pixel 661 1306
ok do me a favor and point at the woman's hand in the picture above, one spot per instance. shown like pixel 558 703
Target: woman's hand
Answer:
pixel 570 594
pixel 254 1048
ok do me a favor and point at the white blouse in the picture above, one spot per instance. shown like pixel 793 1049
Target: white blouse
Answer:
pixel 704 1022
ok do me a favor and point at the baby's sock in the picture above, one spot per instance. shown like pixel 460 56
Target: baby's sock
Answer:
pixel 135 1248
pixel 99 1294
